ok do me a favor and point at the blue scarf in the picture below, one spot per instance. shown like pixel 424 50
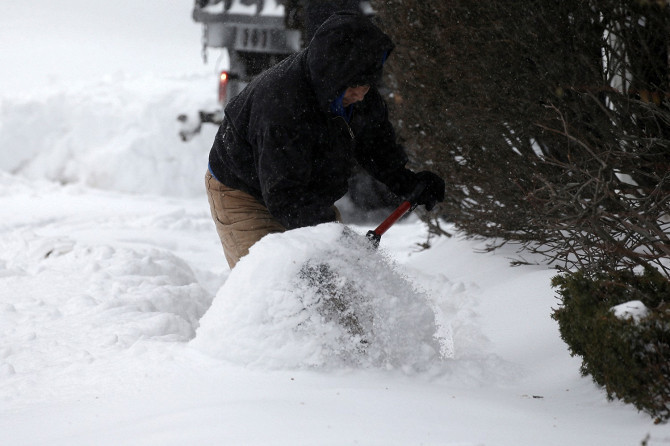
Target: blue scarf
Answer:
pixel 338 109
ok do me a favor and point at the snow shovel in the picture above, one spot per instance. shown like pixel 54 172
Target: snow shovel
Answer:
pixel 375 235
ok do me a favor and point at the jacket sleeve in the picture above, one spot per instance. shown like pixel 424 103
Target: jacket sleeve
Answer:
pixel 284 173
pixel 377 150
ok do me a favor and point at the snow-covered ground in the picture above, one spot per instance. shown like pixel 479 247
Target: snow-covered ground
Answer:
pixel 120 323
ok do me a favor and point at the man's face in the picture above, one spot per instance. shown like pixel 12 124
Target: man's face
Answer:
pixel 354 94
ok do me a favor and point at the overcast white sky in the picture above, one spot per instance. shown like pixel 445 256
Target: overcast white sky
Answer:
pixel 64 41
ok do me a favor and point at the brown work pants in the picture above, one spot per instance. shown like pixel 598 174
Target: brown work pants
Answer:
pixel 240 219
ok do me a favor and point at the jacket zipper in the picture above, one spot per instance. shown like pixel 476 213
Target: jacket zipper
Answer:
pixel 351 132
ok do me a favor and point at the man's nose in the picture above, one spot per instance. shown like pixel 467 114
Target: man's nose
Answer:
pixel 361 91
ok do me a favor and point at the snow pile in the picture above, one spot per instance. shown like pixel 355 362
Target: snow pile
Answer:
pixel 119 134
pixel 635 310
pixel 320 297
pixel 65 302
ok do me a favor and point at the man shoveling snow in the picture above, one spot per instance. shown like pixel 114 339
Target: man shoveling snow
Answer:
pixel 289 141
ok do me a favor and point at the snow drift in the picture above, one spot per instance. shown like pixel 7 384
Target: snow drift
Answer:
pixel 86 301
pixel 321 297
pixel 105 137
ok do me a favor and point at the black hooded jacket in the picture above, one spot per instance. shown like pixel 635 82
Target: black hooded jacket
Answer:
pixel 280 143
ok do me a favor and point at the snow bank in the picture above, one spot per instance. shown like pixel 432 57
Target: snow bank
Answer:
pixel 119 134
pixel 320 297
pixel 64 302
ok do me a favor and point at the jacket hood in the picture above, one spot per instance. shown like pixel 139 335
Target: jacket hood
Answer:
pixel 348 49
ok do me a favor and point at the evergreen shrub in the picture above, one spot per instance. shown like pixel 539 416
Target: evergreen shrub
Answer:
pixel 630 358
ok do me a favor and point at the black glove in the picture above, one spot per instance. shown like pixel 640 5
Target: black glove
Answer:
pixel 433 193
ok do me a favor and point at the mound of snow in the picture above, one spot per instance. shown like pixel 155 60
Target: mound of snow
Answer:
pixel 64 302
pixel 320 297
pixel 118 134
pixel 635 310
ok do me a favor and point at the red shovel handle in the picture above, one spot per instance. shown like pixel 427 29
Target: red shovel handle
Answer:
pixel 375 235
pixel 394 217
